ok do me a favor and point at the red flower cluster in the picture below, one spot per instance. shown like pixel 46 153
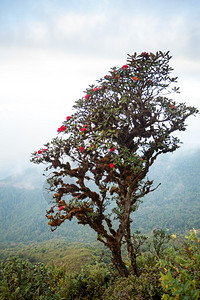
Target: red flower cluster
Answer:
pixel 112 149
pixel 144 54
pixel 117 76
pixel 172 106
pixel 87 96
pixel 111 165
pixel 40 151
pixel 96 89
pixel 62 128
pixel 61 208
pixel 124 67
pixel 81 149
pixel 68 117
pixel 83 129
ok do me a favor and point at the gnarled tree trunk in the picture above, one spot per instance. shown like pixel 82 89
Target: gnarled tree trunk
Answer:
pixel 117 259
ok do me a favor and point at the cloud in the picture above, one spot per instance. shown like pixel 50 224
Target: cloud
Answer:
pixel 37 32
pixel 106 29
pixel 6 107
pixel 50 51
pixel 72 24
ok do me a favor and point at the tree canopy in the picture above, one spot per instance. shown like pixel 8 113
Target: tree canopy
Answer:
pixel 108 144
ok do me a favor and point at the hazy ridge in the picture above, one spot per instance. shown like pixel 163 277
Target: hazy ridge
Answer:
pixel 173 206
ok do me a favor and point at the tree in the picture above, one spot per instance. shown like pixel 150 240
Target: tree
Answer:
pixel 108 145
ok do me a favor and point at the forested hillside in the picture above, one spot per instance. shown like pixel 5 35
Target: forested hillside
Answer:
pixel 174 205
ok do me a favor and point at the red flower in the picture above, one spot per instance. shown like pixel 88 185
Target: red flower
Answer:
pixel 135 78
pixel 125 67
pixel 68 117
pixel 144 54
pixel 83 129
pixel 117 76
pixel 81 149
pixel 172 106
pixel 44 149
pixel 111 165
pixel 112 149
pixel 62 128
pixel 96 89
pixel 61 207
pixel 39 152
pixel 87 96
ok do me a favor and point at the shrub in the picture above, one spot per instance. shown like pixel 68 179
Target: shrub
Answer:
pixel 23 280
pixel 180 274
pixel 90 283
pixel 147 286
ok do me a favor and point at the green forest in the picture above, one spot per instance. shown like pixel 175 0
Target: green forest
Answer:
pixel 71 264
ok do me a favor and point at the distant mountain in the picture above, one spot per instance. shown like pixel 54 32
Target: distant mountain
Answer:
pixel 29 179
pixel 174 205
pixel 23 205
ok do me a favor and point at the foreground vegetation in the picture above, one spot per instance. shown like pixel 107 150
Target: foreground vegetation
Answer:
pixel 167 270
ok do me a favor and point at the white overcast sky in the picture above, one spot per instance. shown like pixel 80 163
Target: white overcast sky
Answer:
pixel 51 50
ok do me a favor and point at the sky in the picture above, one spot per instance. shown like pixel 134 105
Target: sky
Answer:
pixel 52 50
